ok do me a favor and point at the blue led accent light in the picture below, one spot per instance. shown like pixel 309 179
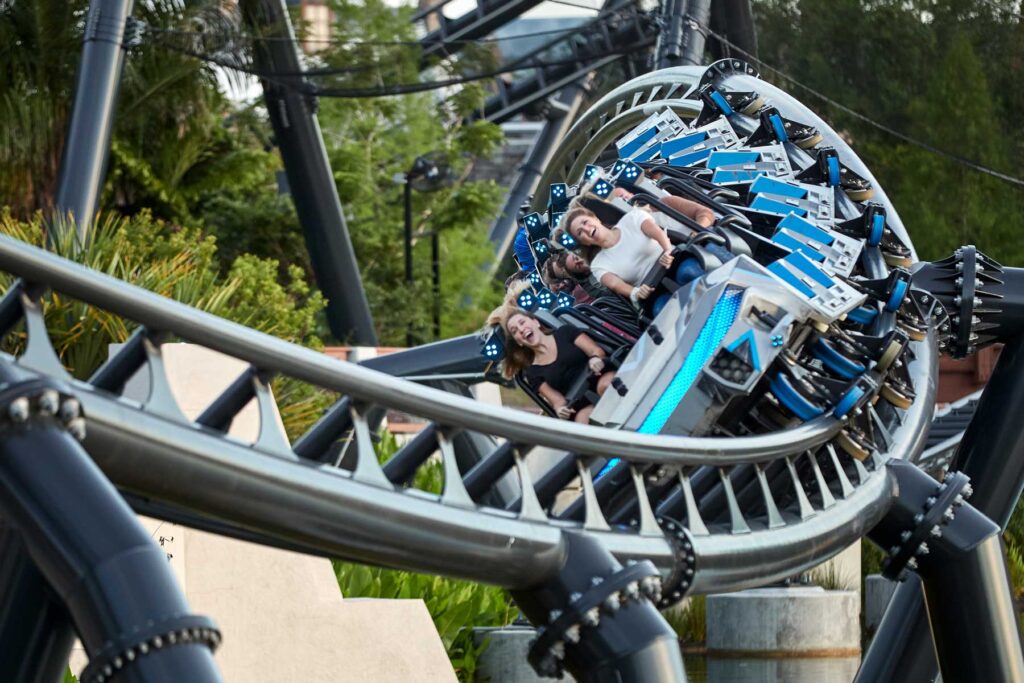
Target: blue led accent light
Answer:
pixel 748 337
pixel 568 241
pixel 545 298
pixel 527 301
pixel 777 340
pixel 534 279
pixel 763 203
pixel 602 189
pixel 556 218
pixel 591 171
pixel 721 102
pixel 540 247
pixel 833 171
pixel 631 172
pixel 779 127
pixel 631 148
pixel 493 348
pixel 708 342
pixel 564 300
pixel 618 166
pixel 806 228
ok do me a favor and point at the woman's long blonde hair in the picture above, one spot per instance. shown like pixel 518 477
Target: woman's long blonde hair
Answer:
pixel 517 357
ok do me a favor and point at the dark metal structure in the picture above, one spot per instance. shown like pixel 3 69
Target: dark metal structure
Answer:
pixel 588 564
pixel 87 146
pixel 310 180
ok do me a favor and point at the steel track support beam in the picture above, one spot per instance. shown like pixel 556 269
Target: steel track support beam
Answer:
pixel 310 180
pixel 733 19
pixel 669 49
pixel 562 113
pixel 84 158
pixel 452 34
pixel 596 620
pixel 695 32
pixel 36 633
pixel 992 455
pixel 596 49
pixel 956 551
pixel 90 548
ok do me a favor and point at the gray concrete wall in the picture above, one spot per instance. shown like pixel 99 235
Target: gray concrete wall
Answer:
pixel 796 621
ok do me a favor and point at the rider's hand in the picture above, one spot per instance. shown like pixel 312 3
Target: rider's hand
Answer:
pixel 642 292
pixel 596 365
pixel 666 258
pixel 564 412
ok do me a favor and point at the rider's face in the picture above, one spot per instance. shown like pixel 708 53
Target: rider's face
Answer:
pixel 524 330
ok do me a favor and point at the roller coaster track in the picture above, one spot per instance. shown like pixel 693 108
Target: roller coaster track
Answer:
pixel 774 526
pixel 713 514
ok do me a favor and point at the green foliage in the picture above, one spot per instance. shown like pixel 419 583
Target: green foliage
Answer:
pixel 370 141
pixel 829 577
pixel 69 677
pixel 181 264
pixel 689 620
pixel 943 71
pixel 1013 539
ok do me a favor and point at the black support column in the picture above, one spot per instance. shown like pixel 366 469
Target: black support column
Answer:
pixel 992 455
pixel 84 159
pixel 297 132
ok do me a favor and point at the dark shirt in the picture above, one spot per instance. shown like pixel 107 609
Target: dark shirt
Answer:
pixel 569 362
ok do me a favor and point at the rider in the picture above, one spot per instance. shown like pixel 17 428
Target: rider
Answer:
pixel 624 253
pixel 570 266
pixel 550 362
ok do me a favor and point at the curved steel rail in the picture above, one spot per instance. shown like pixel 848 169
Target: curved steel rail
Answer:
pixel 757 508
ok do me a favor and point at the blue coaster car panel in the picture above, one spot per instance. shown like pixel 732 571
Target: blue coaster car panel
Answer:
pixel 744 165
pixel 720 336
pixel 644 142
pixel 696 145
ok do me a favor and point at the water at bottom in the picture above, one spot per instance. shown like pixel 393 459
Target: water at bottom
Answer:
pixel 704 669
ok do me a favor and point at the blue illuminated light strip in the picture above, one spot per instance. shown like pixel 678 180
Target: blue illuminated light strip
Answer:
pixel 708 342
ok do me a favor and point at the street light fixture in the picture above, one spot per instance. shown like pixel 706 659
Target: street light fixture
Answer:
pixel 429 173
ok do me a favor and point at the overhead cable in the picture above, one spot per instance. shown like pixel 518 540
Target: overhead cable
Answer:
pixel 956 158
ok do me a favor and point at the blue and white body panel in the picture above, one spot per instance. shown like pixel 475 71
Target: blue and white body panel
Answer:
pixel 719 336
pixel 693 147
pixel 736 166
pixel 644 142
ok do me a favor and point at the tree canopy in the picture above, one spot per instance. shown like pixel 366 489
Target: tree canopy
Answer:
pixel 943 72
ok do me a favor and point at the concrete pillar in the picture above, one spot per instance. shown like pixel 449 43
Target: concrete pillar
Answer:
pixel 796 621
pixel 504 660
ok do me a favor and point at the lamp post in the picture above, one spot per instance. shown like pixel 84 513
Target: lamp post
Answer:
pixel 428 173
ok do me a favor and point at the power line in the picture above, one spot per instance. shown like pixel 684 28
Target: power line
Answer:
pixel 371 43
pixel 296 80
pixel 956 158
